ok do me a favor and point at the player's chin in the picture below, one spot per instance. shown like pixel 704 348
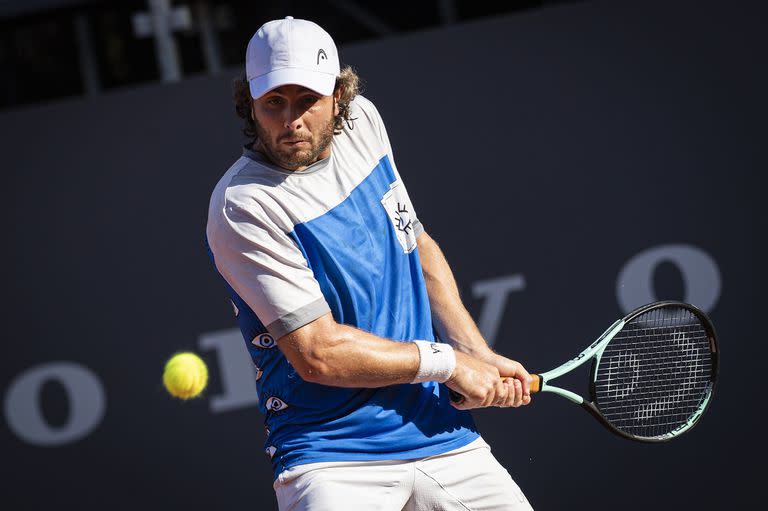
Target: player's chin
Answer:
pixel 297 158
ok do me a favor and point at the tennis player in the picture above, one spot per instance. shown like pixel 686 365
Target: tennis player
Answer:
pixel 336 287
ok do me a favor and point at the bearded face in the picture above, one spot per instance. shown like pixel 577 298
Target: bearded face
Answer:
pixel 294 126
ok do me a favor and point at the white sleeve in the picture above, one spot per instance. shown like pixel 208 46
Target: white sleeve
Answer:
pixel 265 267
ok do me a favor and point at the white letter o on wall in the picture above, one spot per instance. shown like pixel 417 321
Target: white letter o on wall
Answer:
pixel 87 403
pixel 701 277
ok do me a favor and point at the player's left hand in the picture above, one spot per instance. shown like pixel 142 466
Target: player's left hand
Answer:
pixel 511 370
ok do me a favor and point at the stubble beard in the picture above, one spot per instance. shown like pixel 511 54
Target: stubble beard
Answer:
pixel 294 159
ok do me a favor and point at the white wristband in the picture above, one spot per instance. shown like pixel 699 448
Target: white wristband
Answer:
pixel 437 361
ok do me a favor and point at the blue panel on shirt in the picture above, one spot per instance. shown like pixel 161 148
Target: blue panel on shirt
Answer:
pixel 366 278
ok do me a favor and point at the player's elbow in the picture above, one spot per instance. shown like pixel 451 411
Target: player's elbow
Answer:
pixel 310 350
pixel 314 371
pixel 314 366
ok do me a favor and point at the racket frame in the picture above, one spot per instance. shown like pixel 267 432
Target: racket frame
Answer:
pixel 595 351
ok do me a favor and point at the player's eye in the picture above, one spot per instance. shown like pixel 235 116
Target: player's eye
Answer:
pixel 309 101
pixel 274 101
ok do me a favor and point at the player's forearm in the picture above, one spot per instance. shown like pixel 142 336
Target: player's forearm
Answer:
pixel 451 319
pixel 343 356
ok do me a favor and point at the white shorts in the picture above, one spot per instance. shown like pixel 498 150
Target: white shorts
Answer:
pixel 468 478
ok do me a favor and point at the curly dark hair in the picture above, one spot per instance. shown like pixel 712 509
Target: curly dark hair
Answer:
pixel 347 81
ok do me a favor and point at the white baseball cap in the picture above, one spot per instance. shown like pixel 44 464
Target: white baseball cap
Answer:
pixel 291 51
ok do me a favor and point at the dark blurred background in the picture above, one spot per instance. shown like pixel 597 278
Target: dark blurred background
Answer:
pixel 93 47
pixel 573 159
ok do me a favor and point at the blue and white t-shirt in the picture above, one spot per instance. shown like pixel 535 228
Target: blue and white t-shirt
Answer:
pixel 339 236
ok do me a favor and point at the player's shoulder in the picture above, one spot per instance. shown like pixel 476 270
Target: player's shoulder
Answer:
pixel 363 103
pixel 242 187
pixel 362 106
pixel 365 120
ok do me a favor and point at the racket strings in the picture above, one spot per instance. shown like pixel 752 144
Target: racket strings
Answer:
pixel 655 374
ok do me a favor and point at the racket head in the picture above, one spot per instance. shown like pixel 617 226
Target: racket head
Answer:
pixel 656 377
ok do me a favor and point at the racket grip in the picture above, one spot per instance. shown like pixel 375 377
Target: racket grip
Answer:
pixel 535 383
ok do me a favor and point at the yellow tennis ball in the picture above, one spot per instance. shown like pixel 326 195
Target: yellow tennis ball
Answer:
pixel 185 375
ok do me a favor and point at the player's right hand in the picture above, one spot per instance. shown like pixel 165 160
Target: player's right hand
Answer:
pixel 481 385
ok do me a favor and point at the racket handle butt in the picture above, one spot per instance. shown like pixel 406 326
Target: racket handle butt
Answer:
pixel 455 396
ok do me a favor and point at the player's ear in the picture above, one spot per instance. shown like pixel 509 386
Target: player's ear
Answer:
pixel 336 98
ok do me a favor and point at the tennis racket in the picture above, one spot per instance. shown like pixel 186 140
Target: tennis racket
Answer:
pixel 653 372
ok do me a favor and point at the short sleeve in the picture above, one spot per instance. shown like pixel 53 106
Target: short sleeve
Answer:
pixel 265 267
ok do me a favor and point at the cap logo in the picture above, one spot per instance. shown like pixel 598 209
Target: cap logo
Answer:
pixel 321 56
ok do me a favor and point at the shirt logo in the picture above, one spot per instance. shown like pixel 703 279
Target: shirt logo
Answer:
pixel 403 218
pixel 395 203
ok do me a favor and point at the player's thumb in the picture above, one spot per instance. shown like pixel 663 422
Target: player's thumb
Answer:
pixel 511 369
